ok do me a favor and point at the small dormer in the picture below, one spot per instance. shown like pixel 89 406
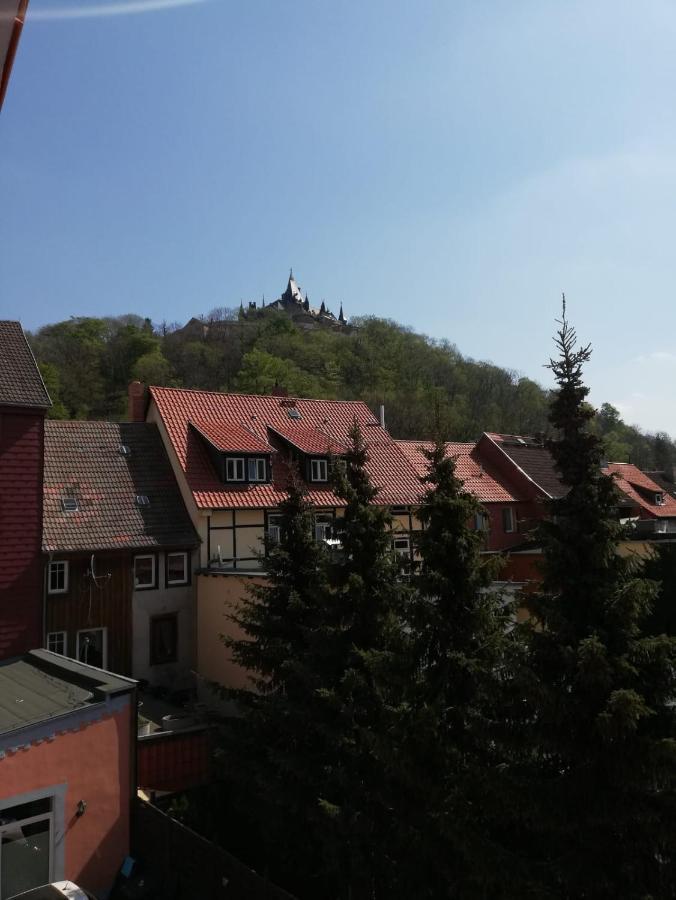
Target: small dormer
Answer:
pixel 312 447
pixel 238 454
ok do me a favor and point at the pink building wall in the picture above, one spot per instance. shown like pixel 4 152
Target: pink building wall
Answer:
pixel 94 762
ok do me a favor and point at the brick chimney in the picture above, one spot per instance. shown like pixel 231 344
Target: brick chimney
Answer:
pixel 279 391
pixel 136 409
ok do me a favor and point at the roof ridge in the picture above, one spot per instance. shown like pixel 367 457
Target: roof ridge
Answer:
pixel 155 387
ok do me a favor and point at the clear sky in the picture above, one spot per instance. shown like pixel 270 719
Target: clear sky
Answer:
pixel 451 164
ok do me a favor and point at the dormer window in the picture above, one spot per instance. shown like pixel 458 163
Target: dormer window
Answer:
pixel 660 499
pixel 319 470
pixel 257 469
pixel 234 468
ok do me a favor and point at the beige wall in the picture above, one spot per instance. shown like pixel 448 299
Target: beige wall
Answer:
pixel 217 596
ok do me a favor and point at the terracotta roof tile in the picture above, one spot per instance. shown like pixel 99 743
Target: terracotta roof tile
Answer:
pixel 310 440
pixel 227 436
pixel 20 381
pixel 642 489
pixel 83 460
pixel 477 479
pixel 390 469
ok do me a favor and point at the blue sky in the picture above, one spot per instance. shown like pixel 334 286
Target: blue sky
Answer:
pixel 451 165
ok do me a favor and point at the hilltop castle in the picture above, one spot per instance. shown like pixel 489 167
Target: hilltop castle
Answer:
pixel 298 307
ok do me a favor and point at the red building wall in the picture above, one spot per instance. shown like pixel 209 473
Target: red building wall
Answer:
pixel 21 465
pixel 95 763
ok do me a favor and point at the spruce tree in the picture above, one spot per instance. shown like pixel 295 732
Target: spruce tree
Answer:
pixel 599 764
pixel 450 768
pixel 274 755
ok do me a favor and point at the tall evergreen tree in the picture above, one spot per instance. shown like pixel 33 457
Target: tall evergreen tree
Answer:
pixel 460 643
pixel 600 763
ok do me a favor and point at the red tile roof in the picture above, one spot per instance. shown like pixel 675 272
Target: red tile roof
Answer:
pixel 313 441
pixel 20 381
pixel 390 469
pixel 229 436
pixel 477 479
pixel 642 490
pixel 83 460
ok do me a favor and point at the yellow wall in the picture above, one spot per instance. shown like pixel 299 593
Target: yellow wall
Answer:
pixel 217 597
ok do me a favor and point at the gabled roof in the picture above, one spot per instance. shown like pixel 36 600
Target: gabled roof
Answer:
pixel 314 441
pixel 20 381
pixel 232 438
pixel 389 467
pixel 532 457
pixel 84 460
pixel 642 490
pixel 477 479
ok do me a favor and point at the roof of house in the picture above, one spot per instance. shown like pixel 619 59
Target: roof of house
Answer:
pixel 532 457
pixel 233 438
pixel 41 685
pixel 20 381
pixel 388 466
pixel 477 479
pixel 642 489
pixel 314 441
pixel 85 461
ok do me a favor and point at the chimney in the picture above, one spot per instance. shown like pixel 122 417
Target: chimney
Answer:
pixel 382 416
pixel 136 409
pixel 279 391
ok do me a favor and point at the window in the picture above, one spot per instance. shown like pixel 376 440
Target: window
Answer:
pixel 234 469
pixel 508 520
pixel 481 521
pixel 399 510
pixel 177 569
pixel 26 846
pixel 92 647
pixel 257 469
pixel 69 504
pixel 56 642
pixel 402 546
pixel 144 572
pixel 319 470
pixel 660 499
pixel 323 526
pixel 163 639
pixel 274 529
pixel 57 578
pixel 142 500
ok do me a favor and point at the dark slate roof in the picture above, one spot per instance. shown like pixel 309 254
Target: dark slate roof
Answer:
pixel 83 460
pixel 41 686
pixel 20 381
pixel 533 458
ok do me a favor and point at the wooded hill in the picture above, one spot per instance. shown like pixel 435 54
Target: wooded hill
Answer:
pixel 87 364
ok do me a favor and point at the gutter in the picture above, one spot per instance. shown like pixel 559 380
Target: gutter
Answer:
pixel 12 48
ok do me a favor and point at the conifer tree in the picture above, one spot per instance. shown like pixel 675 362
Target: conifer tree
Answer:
pixel 600 760
pixel 274 756
pixel 460 641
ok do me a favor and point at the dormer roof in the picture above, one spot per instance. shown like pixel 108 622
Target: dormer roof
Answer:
pixel 312 441
pixel 231 437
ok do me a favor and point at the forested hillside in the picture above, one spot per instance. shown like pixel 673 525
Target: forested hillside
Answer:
pixel 87 364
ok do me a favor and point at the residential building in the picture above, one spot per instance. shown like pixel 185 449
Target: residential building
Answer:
pixel 67 772
pixel 120 552
pixel 23 404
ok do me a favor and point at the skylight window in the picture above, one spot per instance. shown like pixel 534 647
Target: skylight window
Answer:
pixel 69 504
pixel 294 413
pixel 142 500
pixel 125 450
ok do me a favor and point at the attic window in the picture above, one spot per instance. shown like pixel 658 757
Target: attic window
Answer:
pixel 294 413
pixel 125 450
pixel 660 499
pixel 69 504
pixel 142 500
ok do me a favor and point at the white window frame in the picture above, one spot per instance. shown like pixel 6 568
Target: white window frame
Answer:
pixel 508 512
pixel 236 463
pixel 257 469
pixel 481 522
pixel 54 566
pixel 104 643
pixel 405 549
pixel 12 827
pixel 63 636
pixel 317 466
pixel 175 582
pixel 146 587
pixel 274 527
pixel 322 522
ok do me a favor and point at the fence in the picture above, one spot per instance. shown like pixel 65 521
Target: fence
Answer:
pixel 173 760
pixel 182 865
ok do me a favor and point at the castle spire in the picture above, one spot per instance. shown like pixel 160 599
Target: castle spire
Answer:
pixel 341 317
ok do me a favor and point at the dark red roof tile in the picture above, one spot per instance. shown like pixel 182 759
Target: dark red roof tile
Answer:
pixel 20 381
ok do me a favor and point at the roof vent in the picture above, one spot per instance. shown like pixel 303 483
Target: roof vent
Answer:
pixel 125 450
pixel 69 504
pixel 294 413
pixel 142 500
